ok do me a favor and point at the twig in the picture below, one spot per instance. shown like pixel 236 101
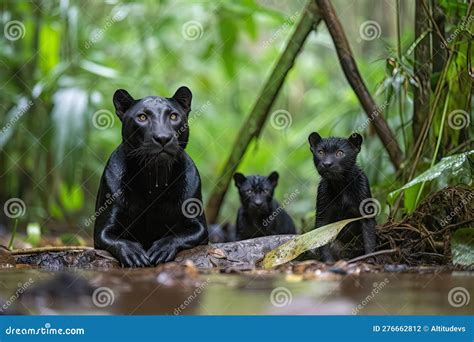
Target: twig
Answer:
pixel 369 255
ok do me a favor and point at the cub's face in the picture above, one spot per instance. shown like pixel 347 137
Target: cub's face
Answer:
pixel 334 156
pixel 256 192
pixel 154 127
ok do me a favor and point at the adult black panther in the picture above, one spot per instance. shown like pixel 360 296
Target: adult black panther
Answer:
pixel 149 204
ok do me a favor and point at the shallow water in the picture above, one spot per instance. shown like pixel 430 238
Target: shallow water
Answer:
pixel 144 292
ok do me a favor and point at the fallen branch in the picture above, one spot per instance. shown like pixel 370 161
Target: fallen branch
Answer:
pixel 255 121
pixel 349 66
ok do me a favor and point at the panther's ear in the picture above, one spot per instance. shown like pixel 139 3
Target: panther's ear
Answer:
pixel 122 102
pixel 314 139
pixel 273 178
pixel 356 141
pixel 184 96
pixel 239 179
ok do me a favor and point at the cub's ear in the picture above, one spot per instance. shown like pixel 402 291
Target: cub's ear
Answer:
pixel 273 178
pixel 122 102
pixel 239 179
pixel 314 139
pixel 184 96
pixel 355 140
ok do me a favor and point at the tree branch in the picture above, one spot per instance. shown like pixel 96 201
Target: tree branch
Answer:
pixel 255 121
pixel 349 66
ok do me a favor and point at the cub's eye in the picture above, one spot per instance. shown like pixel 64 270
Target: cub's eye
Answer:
pixel 174 117
pixel 321 152
pixel 266 191
pixel 339 153
pixel 249 192
pixel 141 117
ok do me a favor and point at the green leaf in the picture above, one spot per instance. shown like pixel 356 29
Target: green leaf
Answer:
pixel 72 198
pixel 452 164
pixel 302 243
pixel 50 43
pixel 462 247
pixel 411 195
pixel 33 234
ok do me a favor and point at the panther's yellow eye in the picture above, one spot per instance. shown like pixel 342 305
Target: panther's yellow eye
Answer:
pixel 141 117
pixel 174 117
pixel 321 152
pixel 339 153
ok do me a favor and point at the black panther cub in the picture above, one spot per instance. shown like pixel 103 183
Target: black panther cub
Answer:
pixel 260 214
pixel 342 193
pixel 149 201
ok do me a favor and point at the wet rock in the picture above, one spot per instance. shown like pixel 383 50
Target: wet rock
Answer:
pixel 88 259
pixel 234 255
pixel 6 258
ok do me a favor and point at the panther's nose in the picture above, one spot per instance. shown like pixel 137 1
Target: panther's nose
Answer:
pixel 258 202
pixel 162 139
pixel 327 164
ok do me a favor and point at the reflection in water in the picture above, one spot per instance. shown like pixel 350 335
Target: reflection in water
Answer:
pixel 173 290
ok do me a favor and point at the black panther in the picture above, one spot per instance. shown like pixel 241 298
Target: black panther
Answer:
pixel 260 214
pixel 343 193
pixel 149 204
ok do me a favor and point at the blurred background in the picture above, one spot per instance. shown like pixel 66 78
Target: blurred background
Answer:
pixel 61 62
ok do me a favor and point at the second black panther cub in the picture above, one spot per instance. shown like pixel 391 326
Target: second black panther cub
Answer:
pixel 260 214
pixel 343 193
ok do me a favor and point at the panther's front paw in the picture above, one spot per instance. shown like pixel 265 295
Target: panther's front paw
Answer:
pixel 163 250
pixel 132 254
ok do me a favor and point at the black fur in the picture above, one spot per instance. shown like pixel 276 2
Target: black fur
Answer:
pixel 149 201
pixel 342 189
pixel 260 214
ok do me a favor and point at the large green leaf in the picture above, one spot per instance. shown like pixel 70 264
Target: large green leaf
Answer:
pixel 302 243
pixel 452 164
